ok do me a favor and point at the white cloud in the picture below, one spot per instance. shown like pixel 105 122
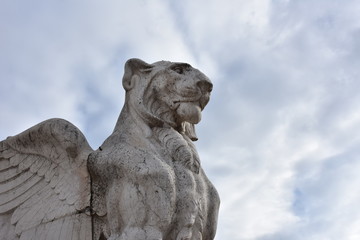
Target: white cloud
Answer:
pixel 289 98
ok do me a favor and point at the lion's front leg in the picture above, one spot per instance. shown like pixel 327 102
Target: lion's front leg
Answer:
pixel 137 233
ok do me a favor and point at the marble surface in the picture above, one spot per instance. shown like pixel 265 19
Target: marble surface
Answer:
pixel 144 182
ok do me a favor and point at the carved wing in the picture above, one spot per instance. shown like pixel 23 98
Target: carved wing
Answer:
pixel 45 184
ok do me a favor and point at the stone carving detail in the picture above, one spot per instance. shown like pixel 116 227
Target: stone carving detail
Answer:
pixel 44 183
pixel 144 182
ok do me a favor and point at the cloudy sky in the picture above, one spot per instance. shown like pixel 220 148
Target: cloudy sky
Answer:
pixel 280 138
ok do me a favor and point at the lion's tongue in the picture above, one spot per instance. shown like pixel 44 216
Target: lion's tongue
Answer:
pixel 189 112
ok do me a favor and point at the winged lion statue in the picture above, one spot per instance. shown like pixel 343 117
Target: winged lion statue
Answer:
pixel 145 182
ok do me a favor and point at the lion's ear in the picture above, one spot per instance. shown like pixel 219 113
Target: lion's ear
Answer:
pixel 133 67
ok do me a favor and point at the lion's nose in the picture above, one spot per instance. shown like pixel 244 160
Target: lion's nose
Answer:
pixel 205 85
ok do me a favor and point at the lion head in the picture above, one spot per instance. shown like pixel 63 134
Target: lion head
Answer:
pixel 166 93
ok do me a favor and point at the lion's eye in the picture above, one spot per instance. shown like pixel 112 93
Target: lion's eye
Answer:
pixel 178 69
pixel 181 68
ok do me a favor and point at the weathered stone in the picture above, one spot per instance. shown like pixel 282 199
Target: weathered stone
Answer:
pixel 45 184
pixel 146 178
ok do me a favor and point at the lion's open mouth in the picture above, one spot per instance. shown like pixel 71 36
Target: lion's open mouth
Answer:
pixel 200 101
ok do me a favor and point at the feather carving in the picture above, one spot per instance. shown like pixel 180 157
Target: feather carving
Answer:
pixel 45 184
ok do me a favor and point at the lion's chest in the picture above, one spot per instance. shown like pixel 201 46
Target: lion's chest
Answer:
pixel 190 199
pixel 177 194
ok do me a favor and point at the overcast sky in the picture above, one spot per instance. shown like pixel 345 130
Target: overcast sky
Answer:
pixel 280 138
